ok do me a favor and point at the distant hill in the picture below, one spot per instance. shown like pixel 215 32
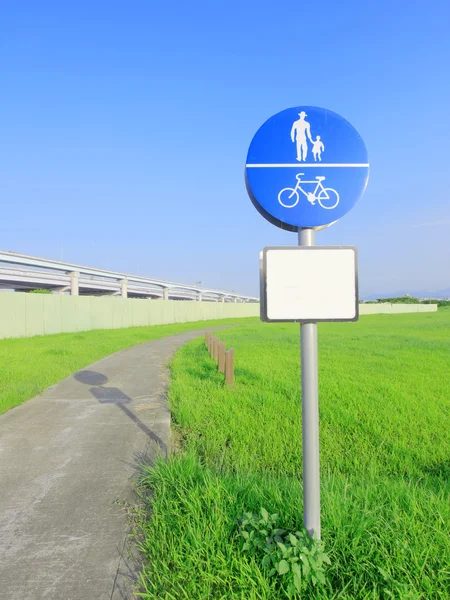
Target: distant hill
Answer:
pixel 418 294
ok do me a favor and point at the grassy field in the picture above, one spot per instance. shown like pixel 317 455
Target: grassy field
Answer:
pixel 385 462
pixel 30 365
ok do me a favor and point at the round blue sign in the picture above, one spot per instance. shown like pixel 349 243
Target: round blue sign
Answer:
pixel 306 167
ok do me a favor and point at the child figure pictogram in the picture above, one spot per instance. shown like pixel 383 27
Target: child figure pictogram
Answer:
pixel 317 149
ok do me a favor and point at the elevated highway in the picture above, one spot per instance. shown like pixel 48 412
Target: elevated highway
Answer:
pixel 30 273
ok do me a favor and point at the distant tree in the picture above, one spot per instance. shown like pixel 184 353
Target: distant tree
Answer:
pixel 40 291
pixel 401 300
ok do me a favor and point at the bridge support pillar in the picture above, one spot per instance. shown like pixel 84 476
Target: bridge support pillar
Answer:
pixel 165 294
pixel 74 283
pixel 124 288
pixel 199 298
pixel 223 299
pixel 235 300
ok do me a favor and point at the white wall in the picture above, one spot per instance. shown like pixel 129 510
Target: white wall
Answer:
pixel 25 315
pixel 387 308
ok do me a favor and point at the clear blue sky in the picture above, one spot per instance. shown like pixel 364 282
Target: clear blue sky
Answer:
pixel 125 127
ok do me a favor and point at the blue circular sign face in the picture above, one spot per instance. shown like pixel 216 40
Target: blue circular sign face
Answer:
pixel 306 167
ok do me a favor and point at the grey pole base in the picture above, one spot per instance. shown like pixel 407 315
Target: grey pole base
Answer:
pixel 310 415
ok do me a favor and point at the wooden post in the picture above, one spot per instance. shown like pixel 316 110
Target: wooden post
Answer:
pixel 222 347
pixel 211 344
pixel 229 367
pixel 207 338
pixel 210 339
pixel 216 349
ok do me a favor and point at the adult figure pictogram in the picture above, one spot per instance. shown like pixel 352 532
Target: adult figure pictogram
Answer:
pixel 301 130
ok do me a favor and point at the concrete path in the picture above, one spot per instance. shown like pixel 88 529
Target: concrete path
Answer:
pixel 66 459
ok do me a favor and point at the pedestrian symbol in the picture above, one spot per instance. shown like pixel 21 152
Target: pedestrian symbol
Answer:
pixel 318 148
pixel 301 130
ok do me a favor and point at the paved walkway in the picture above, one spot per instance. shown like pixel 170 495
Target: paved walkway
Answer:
pixel 66 459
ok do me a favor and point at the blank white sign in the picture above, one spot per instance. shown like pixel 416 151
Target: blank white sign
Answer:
pixel 316 283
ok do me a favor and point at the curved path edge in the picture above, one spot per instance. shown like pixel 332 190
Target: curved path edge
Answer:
pixel 66 460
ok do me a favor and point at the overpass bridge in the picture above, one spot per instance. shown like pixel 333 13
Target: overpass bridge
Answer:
pixel 30 273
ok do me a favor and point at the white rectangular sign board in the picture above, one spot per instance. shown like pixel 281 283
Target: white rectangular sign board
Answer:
pixel 309 284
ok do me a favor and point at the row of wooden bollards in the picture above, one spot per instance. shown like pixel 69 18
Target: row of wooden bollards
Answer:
pixel 223 357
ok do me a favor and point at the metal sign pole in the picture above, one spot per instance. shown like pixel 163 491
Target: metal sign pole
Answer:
pixel 310 414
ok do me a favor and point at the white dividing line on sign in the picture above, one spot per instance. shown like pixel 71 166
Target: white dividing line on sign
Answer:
pixel 306 165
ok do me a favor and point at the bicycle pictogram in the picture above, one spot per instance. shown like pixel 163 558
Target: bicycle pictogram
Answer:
pixel 328 198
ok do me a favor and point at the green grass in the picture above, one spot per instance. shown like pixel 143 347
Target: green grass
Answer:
pixel 385 461
pixel 30 365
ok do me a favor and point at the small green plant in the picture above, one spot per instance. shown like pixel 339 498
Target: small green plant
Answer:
pixel 295 559
pixel 40 291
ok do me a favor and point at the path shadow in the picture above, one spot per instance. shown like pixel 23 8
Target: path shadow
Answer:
pixel 91 378
pixel 113 395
